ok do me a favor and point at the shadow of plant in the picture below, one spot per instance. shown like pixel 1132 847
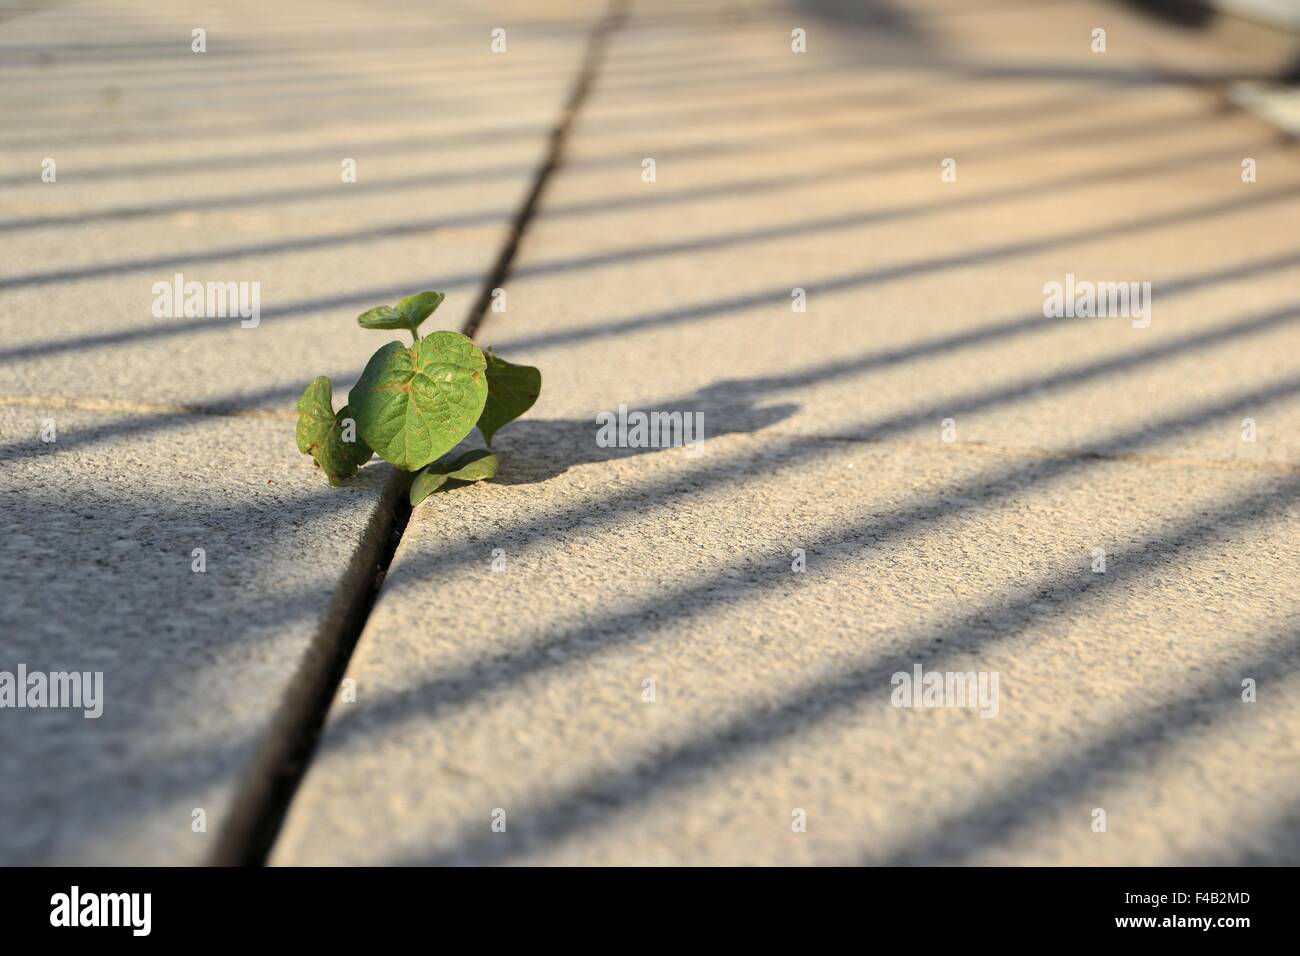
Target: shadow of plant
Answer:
pixel 537 450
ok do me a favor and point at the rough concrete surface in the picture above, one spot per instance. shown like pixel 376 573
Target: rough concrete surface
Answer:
pixel 226 166
pixel 521 691
pixel 643 655
pixel 98 546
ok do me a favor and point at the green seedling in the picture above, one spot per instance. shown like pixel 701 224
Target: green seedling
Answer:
pixel 413 404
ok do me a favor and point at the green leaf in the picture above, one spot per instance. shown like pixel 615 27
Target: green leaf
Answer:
pixel 415 404
pixel 474 466
pixel 416 308
pixel 471 466
pixel 512 390
pixel 426 483
pixel 347 423
pixel 322 434
pixel 408 314
pixel 381 317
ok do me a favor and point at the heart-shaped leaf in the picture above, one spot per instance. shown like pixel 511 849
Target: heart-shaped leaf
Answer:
pixel 408 314
pixel 471 466
pixel 324 434
pixel 512 390
pixel 415 404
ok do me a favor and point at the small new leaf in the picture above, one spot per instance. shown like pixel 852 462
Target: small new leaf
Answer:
pixel 408 314
pixel 471 466
pixel 413 405
pixel 512 390
pixel 321 433
pixel 416 308
pixel 381 317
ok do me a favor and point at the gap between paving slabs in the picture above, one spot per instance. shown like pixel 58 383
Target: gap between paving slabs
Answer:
pixel 264 795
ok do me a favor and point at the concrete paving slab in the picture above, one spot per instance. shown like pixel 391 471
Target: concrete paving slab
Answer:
pixel 1097 532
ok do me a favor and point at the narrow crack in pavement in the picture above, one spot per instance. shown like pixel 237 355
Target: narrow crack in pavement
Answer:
pixel 263 798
